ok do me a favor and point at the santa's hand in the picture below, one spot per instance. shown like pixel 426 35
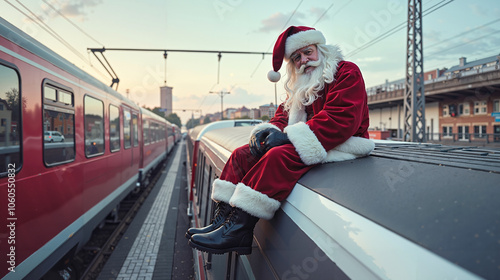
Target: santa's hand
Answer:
pixel 276 138
pixel 257 140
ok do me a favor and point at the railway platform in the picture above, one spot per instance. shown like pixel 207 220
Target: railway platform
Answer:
pixel 154 246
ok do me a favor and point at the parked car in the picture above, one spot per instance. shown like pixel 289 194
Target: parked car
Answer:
pixel 53 136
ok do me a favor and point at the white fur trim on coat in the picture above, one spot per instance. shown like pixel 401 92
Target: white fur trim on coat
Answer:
pixel 253 202
pixel 312 152
pixel 263 126
pixel 306 143
pixel 222 190
pixel 302 39
pixel 352 148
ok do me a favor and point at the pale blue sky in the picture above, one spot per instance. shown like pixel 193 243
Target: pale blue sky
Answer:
pixel 239 25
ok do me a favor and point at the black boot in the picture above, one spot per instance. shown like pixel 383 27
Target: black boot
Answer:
pixel 222 212
pixel 235 235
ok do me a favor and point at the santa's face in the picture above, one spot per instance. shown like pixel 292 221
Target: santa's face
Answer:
pixel 302 56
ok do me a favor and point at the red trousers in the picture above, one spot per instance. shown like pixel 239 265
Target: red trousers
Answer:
pixel 274 174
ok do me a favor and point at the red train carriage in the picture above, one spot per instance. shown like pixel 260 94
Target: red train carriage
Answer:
pixel 407 211
pixel 155 149
pixel 54 193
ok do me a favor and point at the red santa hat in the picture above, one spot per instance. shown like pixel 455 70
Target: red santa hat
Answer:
pixel 292 39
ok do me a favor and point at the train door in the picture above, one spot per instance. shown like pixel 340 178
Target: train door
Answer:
pixel 136 150
pixel 131 153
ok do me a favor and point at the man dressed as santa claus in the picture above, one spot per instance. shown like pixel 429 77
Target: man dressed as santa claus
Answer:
pixel 323 119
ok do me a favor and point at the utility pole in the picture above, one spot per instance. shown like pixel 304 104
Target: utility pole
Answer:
pixel 221 94
pixel 192 113
pixel 414 101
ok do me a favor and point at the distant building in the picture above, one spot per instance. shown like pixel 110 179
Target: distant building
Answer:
pixel 166 99
pixel 242 112
pixel 462 103
pixel 480 64
pixel 267 110
pixel 254 114
pixel 229 113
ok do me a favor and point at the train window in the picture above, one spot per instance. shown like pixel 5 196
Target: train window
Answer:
pixel 246 123
pixel 152 131
pixel 50 93
pixel 127 139
pixel 145 132
pixel 58 124
pixel 65 97
pixel 135 128
pixel 155 132
pixel 114 128
pixel 10 117
pixel 94 126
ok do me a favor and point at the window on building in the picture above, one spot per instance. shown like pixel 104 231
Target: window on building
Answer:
pixel 58 124
pixel 127 137
pixel 94 126
pixel 114 128
pixel 464 109
pixel 135 129
pixel 10 131
pixel 479 131
pixel 496 105
pixel 445 110
pixel 480 107
pixel 447 131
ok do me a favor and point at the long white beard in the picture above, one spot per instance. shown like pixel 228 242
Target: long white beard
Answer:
pixel 305 86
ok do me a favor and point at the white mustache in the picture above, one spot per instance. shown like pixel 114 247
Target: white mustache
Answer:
pixel 309 63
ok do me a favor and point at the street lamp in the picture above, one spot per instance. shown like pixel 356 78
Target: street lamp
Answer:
pixel 221 94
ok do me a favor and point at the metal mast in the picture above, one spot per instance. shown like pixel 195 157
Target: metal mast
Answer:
pixel 221 94
pixel 414 101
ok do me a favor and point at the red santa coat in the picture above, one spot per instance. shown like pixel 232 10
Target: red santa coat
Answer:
pixel 333 128
pixel 340 112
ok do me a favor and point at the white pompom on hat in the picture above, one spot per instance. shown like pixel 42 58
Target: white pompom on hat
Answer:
pixel 292 39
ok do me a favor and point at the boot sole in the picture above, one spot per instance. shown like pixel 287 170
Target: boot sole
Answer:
pixel 238 250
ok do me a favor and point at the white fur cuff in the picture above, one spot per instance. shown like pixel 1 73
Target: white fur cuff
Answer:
pixel 222 190
pixel 253 202
pixel 306 143
pixel 354 147
pixel 263 126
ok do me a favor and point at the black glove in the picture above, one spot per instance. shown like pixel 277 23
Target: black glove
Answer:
pixel 276 138
pixel 257 142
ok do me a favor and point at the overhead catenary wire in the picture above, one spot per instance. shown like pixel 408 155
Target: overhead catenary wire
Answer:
pixel 397 28
pixel 45 27
pixel 323 14
pixel 71 22
pixel 461 34
pixel 272 43
pixel 38 21
pixel 336 12
pixel 463 43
